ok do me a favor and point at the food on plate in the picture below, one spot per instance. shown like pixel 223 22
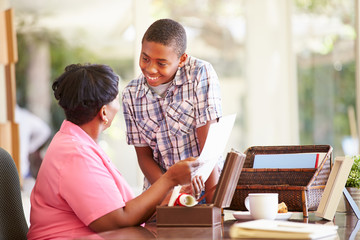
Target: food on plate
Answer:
pixel 282 208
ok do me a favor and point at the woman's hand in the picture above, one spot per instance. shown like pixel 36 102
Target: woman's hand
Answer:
pixel 180 173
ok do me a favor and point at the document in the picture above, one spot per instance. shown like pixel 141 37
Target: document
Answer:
pixel 277 229
pixel 214 147
pixel 215 144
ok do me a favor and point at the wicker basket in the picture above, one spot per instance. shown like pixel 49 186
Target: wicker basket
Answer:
pixel 301 188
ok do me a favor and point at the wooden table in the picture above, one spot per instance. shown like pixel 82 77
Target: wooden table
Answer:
pixel 347 222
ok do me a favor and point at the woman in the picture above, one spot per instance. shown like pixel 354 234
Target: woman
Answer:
pixel 78 190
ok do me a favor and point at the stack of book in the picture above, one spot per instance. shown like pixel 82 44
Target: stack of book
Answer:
pixel 282 230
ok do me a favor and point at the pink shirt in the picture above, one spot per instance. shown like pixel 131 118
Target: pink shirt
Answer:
pixel 76 184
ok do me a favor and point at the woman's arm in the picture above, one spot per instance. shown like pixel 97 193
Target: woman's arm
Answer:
pixel 139 209
pixel 148 166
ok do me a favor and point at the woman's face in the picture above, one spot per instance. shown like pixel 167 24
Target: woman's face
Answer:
pixel 112 108
pixel 158 63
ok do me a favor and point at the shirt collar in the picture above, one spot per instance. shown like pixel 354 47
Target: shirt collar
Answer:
pixel 142 87
pixel 182 75
pixel 78 134
pixel 68 127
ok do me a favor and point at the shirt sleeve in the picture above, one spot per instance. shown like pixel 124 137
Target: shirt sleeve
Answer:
pixel 88 187
pixel 208 95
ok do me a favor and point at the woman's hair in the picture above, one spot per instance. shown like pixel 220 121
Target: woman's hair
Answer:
pixel 169 33
pixel 83 89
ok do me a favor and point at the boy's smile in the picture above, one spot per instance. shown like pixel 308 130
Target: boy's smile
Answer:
pixel 159 63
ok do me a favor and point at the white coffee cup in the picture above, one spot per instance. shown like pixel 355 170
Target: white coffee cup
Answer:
pixel 262 205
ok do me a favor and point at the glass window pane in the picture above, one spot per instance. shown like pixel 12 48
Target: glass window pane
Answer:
pixel 324 36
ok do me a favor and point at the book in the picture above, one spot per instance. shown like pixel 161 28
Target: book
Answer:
pixel 229 178
pixel 334 187
pixel 278 229
pixel 289 160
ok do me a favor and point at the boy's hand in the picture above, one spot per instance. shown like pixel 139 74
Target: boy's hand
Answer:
pixel 195 188
pixel 198 186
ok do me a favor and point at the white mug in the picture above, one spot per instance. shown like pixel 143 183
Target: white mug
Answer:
pixel 262 205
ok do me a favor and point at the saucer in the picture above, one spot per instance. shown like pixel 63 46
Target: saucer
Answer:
pixel 245 215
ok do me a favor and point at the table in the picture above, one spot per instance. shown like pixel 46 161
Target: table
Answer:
pixel 348 224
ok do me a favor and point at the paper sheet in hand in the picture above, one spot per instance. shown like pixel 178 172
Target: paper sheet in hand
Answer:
pixel 215 144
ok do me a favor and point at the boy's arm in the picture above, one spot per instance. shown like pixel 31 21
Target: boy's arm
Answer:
pixel 148 166
pixel 214 176
pixel 210 182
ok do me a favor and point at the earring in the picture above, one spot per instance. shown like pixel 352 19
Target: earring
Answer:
pixel 106 121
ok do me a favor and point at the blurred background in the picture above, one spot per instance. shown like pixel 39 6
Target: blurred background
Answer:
pixel 286 67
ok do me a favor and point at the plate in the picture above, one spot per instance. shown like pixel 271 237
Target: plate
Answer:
pixel 245 215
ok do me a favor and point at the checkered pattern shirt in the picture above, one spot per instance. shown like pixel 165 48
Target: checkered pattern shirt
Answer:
pixel 168 125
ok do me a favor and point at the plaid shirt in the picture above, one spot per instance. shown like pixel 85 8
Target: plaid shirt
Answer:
pixel 168 125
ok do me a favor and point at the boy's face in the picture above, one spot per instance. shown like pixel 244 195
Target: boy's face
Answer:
pixel 159 63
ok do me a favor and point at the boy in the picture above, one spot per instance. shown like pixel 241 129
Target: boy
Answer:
pixel 169 108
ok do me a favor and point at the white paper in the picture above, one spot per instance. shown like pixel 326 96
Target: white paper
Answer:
pixel 215 144
pixel 279 229
pixel 174 195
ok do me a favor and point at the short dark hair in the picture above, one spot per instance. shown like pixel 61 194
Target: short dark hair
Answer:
pixel 167 32
pixel 83 89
